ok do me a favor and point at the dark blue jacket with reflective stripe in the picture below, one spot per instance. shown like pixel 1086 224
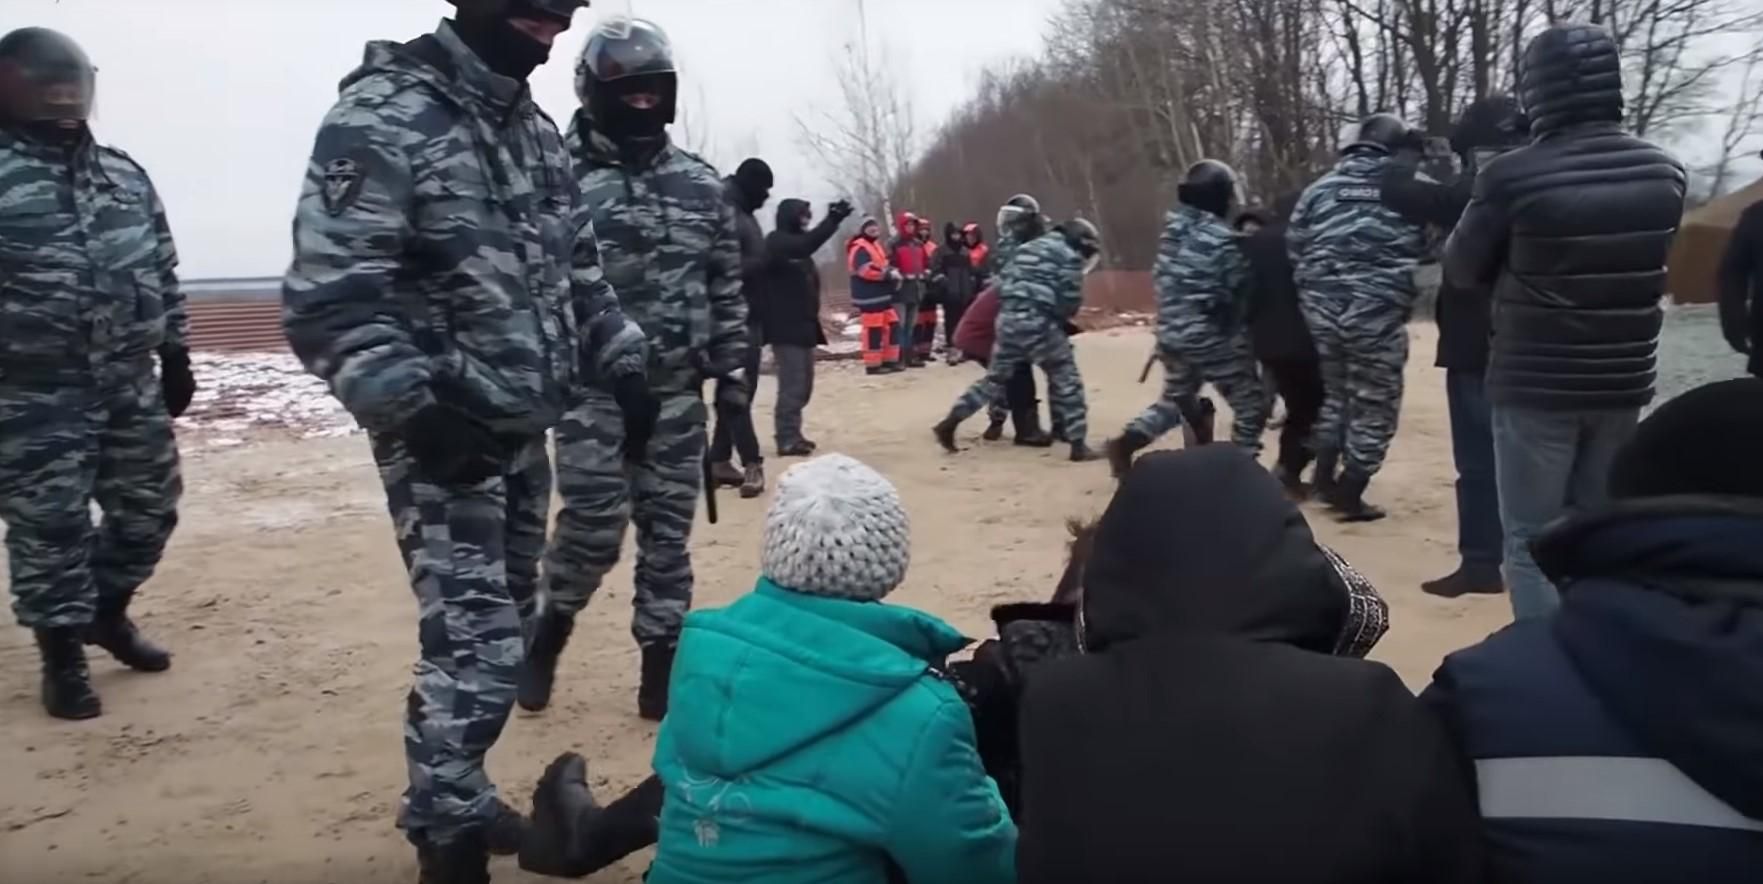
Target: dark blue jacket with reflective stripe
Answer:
pixel 1622 740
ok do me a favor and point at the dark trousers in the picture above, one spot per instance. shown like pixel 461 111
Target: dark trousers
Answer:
pixel 795 386
pixel 952 314
pixel 1479 534
pixel 735 431
pixel 1019 391
pixel 1299 383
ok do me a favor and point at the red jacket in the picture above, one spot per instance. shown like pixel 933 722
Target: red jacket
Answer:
pixel 978 330
pixel 906 252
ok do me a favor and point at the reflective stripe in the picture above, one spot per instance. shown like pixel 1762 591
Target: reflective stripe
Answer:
pixel 1641 790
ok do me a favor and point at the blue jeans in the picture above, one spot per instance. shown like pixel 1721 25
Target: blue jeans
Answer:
pixel 1549 463
pixel 904 333
pixel 1479 538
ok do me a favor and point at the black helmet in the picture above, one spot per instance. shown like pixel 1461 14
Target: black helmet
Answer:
pixel 563 9
pixel 1382 132
pixel 1082 236
pixel 45 77
pixel 1209 185
pixel 626 56
pixel 1491 122
pixel 1020 213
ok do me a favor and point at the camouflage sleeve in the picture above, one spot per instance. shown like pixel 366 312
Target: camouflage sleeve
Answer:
pixel 728 308
pixel 1298 233
pixel 339 310
pixel 177 317
pixel 612 345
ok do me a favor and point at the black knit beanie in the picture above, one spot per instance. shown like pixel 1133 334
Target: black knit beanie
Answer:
pixel 1707 441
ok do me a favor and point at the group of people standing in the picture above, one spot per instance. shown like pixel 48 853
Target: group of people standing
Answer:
pixel 1554 242
pixel 902 286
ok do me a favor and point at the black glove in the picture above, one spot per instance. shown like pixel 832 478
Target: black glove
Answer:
pixel 840 210
pixel 641 409
pixel 732 394
pixel 451 448
pixel 176 380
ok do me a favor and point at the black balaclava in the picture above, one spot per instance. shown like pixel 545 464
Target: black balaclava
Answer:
pixel 754 180
pixel 501 46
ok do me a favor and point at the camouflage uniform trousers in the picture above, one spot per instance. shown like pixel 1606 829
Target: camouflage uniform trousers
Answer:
pixel 472 552
pixel 1363 353
pixel 1030 339
pixel 1227 364
pixel 602 493
pixel 63 447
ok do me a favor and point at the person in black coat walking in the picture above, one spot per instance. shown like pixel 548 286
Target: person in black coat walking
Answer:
pixel 1621 740
pixel 1488 128
pixel 1570 233
pixel 747 191
pixel 1741 287
pixel 1280 339
pixel 789 313
pixel 1219 725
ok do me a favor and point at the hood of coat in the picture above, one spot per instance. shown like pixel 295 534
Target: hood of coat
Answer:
pixel 793 215
pixel 1205 542
pixel 1676 582
pixel 443 62
pixel 780 670
pixel 1571 74
pixel 906 224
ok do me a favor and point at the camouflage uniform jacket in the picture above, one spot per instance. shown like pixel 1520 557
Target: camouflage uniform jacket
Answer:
pixel 1343 238
pixel 87 266
pixel 1002 252
pixel 1199 276
pixel 671 248
pixel 1045 278
pixel 433 247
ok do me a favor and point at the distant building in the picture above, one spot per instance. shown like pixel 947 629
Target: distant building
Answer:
pixel 238 314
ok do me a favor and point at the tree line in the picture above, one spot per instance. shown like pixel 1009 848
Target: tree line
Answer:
pixel 1131 92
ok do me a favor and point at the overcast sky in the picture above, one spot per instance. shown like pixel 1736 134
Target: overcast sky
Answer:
pixel 219 99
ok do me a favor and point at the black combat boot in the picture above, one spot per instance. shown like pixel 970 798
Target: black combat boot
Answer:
pixel 67 683
pixel 1466 580
pixel 464 860
pixel 1348 499
pixel 652 692
pixel 572 836
pixel 1293 482
pixel 945 433
pixel 539 671
pixel 1081 452
pixel 994 431
pixel 112 630
pixel 1199 423
pixel 1324 479
pixel 1028 428
pixel 506 832
pixel 1121 450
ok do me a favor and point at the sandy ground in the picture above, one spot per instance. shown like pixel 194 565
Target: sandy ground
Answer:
pixel 272 750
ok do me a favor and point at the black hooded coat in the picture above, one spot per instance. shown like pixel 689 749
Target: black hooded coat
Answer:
pixel 789 312
pixel 1218 729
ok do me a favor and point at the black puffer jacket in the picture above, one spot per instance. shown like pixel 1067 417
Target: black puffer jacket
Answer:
pixel 1570 234
pixel 752 247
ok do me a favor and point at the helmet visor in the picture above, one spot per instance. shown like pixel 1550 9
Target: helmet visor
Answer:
pixel 47 84
pixel 623 47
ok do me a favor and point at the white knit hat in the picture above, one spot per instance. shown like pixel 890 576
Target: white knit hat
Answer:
pixel 836 528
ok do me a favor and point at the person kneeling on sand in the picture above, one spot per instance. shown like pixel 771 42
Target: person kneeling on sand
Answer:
pixel 812 736
pixel 1220 724
pixel 1621 738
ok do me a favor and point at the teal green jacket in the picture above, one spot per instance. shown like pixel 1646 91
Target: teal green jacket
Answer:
pixel 809 740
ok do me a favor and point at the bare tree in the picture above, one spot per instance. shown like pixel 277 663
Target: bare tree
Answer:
pixel 866 145
pixel 1743 120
